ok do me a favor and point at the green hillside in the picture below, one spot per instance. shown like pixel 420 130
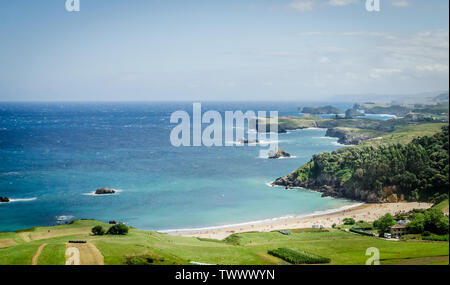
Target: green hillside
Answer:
pixel 246 248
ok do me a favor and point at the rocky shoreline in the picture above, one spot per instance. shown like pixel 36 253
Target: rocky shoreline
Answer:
pixel 328 186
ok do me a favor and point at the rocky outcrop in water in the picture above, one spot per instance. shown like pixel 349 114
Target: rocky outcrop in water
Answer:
pixel 247 141
pixel 351 113
pixel 4 199
pixel 278 154
pixel 103 191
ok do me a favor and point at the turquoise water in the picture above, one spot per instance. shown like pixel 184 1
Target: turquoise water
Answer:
pixel 55 155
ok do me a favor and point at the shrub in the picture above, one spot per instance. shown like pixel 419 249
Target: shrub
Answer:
pixel 233 239
pixel 349 221
pixel 358 231
pixel 118 229
pixel 139 260
pixel 364 226
pixel 98 230
pixel 417 225
pixel 383 224
pixel 298 257
pixel 436 237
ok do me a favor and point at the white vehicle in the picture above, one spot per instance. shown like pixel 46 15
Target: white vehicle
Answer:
pixel 387 235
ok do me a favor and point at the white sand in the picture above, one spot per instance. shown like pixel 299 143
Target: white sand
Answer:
pixel 366 212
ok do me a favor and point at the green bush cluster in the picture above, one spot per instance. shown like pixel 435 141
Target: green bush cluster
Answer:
pixel 432 220
pixel 349 221
pixel 118 229
pixel 358 231
pixel 436 237
pixel 384 224
pixel 98 231
pixel 364 225
pixel 298 257
pixel 419 170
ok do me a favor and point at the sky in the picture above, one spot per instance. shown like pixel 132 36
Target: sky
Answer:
pixel 182 50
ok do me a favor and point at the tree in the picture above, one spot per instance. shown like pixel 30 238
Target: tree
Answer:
pixel 436 222
pixel 442 226
pixel 349 221
pixel 98 230
pixel 118 229
pixel 417 225
pixel 384 224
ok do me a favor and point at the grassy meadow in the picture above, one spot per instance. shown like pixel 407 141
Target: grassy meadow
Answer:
pixel 245 248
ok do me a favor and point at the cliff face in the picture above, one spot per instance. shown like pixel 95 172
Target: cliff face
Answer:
pixel 349 136
pixel 329 185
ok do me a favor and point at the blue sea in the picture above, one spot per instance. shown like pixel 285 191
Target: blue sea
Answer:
pixel 54 155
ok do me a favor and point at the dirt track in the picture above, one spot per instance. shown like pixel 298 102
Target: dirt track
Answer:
pixel 36 255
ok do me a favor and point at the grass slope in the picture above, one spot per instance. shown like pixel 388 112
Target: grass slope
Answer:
pixel 245 248
pixel 406 134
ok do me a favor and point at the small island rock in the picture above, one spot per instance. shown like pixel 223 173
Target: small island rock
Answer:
pixel 278 154
pixel 4 199
pixel 103 191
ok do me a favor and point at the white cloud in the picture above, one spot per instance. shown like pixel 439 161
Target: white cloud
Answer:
pixel 323 59
pixel 420 55
pixel 380 72
pixel 303 5
pixel 341 2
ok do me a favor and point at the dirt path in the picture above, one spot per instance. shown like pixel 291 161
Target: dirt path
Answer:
pixel 36 255
pixel 89 254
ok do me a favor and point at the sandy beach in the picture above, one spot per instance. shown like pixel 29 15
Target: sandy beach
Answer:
pixel 366 212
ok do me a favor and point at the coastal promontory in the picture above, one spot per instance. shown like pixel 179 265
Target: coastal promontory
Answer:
pixel 415 171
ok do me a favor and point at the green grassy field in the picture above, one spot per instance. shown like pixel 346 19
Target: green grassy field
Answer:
pixel 245 248
pixel 406 134
pixel 442 206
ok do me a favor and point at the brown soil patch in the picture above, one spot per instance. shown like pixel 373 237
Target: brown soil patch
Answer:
pixel 7 243
pixel 38 235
